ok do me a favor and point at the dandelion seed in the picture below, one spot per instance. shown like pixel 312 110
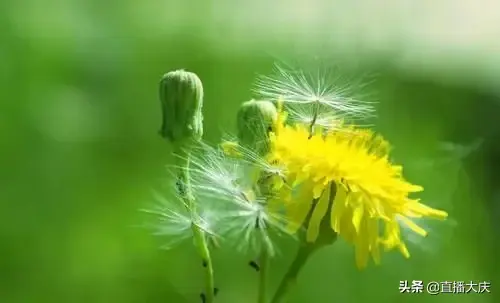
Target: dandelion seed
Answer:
pixel 230 188
pixel 324 88
pixel 370 190
pixel 249 157
pixel 217 177
pixel 173 220
pixel 250 226
pixel 307 114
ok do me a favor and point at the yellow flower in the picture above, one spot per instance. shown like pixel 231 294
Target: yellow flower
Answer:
pixel 350 166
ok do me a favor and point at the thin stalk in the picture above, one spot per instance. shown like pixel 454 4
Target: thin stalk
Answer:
pixel 200 239
pixel 202 245
pixel 290 278
pixel 315 117
pixel 263 275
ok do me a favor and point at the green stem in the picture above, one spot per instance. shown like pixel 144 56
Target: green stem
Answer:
pixel 290 278
pixel 202 245
pixel 200 239
pixel 263 273
pixel 326 237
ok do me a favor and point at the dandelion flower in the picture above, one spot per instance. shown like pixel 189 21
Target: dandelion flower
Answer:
pixel 371 197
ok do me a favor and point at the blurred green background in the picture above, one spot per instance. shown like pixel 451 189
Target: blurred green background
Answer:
pixel 79 116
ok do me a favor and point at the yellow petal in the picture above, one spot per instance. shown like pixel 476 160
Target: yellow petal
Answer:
pixel 391 235
pixel 318 190
pixel 338 208
pixel 404 250
pixel 362 245
pixel 413 226
pixel 357 217
pixel 373 239
pixel 346 229
pixel 299 208
pixel 318 214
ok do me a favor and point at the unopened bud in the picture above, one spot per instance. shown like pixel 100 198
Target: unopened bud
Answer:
pixel 181 96
pixel 255 120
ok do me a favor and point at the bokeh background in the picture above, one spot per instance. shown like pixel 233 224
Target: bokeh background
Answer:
pixel 79 116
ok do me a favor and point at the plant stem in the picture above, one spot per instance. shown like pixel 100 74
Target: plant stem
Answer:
pixel 201 243
pixel 263 273
pixel 199 236
pixel 290 278
pixel 326 237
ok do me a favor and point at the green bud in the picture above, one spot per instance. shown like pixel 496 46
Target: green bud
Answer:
pixel 255 120
pixel 181 96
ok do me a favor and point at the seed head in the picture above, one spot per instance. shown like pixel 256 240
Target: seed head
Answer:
pixel 181 96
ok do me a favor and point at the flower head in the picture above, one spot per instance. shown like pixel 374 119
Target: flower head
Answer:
pixel 345 176
pixel 181 96
pixel 254 120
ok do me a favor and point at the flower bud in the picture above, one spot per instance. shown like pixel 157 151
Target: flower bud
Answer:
pixel 181 96
pixel 255 120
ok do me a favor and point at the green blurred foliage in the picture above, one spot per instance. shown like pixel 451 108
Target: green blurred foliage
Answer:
pixel 79 119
